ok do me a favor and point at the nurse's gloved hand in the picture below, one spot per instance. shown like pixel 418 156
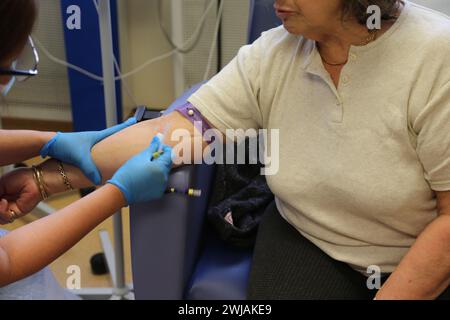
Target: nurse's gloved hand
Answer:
pixel 142 179
pixel 75 148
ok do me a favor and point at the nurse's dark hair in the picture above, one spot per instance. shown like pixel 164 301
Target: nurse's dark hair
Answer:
pixel 17 18
pixel 358 9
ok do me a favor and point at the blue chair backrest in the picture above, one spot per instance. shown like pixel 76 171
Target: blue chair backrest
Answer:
pixel 262 18
pixel 222 271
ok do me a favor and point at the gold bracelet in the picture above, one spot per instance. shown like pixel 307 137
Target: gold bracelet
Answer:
pixel 39 179
pixel 64 176
pixel 42 185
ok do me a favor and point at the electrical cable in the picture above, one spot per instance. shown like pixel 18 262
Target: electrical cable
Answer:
pixel 213 45
pixel 142 66
pixel 125 85
pixel 92 75
pixel 219 45
pixel 186 48
pixel 119 72
pixel 65 63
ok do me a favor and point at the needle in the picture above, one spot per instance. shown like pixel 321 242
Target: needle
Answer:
pixel 161 137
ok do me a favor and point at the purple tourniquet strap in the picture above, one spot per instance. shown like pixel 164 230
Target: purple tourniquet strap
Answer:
pixel 190 112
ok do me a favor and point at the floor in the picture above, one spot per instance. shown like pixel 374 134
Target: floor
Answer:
pixel 81 253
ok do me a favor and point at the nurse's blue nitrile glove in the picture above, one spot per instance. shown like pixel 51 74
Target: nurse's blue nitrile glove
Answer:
pixel 75 148
pixel 142 179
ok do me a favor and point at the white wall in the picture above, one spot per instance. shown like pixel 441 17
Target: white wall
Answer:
pixel 140 40
pixel 440 5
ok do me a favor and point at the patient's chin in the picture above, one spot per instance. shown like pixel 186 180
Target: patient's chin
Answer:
pixel 291 28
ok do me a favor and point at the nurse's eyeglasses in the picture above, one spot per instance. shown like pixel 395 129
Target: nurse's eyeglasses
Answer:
pixel 26 64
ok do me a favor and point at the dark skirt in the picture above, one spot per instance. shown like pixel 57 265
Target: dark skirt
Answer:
pixel 288 266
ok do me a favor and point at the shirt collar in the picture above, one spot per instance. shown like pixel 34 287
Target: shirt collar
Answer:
pixel 312 62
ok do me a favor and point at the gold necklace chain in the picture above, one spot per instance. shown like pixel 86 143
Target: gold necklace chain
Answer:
pixel 370 38
pixel 334 64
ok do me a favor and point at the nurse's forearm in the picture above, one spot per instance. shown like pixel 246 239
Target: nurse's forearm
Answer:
pixel 30 248
pixel 424 272
pixel 111 153
pixel 20 145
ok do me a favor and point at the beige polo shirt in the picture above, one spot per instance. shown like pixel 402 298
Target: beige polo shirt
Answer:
pixel 358 163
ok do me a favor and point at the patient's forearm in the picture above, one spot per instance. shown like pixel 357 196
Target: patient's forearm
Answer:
pixel 111 153
pixel 114 151
pixel 54 181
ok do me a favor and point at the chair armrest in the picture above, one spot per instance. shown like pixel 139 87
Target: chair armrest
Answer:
pixel 183 98
pixel 165 235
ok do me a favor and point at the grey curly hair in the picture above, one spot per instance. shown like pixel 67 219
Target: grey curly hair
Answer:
pixel 358 9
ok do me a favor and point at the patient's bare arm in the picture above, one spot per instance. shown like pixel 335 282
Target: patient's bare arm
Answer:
pixel 115 150
pixel 22 194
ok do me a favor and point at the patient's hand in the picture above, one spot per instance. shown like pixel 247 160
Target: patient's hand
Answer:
pixel 20 190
